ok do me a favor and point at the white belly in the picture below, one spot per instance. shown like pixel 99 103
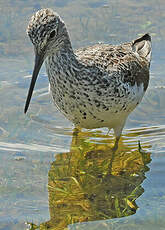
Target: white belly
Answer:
pixel 90 114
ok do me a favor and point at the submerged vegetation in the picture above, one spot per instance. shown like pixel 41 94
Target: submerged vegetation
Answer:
pixel 92 182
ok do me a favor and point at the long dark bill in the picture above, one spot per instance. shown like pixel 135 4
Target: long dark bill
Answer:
pixel 38 63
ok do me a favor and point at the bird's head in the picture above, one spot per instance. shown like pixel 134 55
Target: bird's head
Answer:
pixel 47 31
pixel 48 34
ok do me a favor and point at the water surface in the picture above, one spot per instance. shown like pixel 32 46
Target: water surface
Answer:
pixel 52 179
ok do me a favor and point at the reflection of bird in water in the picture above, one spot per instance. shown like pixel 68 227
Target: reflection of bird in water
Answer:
pixel 91 183
pixel 94 87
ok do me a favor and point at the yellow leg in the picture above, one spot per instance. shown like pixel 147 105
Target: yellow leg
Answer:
pixel 115 147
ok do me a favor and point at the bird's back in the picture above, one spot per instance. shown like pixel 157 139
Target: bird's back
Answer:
pixel 130 61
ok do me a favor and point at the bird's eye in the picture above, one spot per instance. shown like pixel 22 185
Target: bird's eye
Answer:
pixel 52 34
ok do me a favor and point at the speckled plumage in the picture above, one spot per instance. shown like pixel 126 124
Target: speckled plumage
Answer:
pixel 94 87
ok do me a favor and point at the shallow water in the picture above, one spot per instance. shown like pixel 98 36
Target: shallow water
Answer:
pixel 51 179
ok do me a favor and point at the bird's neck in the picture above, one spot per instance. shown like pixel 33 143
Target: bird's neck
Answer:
pixel 62 62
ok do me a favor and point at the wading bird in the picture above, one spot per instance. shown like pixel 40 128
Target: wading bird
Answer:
pixel 96 86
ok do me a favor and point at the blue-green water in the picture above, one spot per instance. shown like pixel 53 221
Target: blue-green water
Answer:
pixel 35 148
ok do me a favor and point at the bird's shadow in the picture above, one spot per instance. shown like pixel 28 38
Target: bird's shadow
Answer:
pixel 93 182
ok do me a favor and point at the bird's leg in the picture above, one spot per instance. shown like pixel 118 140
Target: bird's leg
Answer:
pixel 117 132
pixel 76 131
pixel 111 162
pixel 75 135
pixel 115 147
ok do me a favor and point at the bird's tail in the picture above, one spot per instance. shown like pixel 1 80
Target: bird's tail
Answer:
pixel 142 46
